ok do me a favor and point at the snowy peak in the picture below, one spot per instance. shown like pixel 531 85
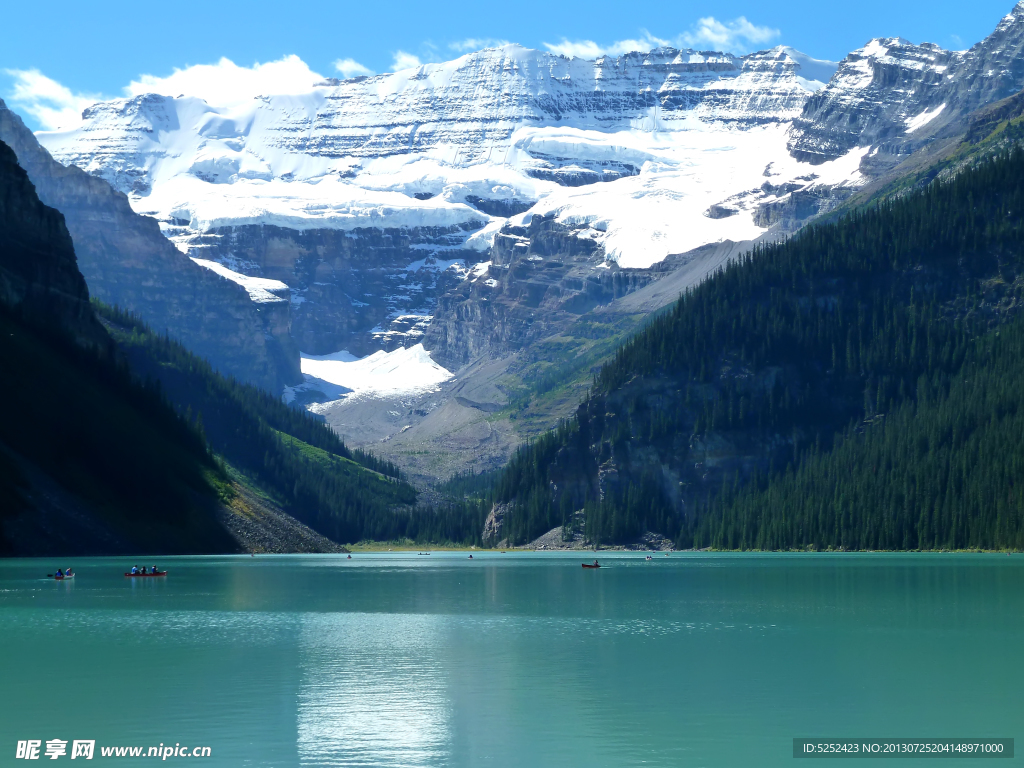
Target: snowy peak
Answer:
pixel 325 200
pixel 446 145
pixel 1016 16
pixel 466 110
pixel 882 93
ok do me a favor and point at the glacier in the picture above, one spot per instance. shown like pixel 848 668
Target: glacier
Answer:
pixel 429 147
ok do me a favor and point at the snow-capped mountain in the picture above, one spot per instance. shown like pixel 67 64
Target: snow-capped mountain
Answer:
pixel 372 197
pixel 895 95
pixel 369 197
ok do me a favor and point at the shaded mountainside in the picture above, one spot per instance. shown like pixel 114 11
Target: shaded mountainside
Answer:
pixel 89 460
pixel 38 272
pixel 92 463
pixel 769 360
pixel 126 260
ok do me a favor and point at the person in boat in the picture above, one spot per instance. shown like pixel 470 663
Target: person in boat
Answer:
pixel 68 573
pixel 597 564
pixel 60 574
pixel 135 570
pixel 154 569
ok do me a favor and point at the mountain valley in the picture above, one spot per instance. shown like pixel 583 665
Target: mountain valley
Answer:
pixel 460 250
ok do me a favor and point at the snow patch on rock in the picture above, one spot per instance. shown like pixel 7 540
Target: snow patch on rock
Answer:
pixel 406 371
pixel 260 289
pixel 920 121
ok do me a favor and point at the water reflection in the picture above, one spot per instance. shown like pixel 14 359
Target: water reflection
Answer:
pixel 373 690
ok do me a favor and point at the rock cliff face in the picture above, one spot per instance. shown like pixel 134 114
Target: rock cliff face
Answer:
pixel 362 290
pixel 541 277
pixel 127 261
pixel 896 96
pixel 39 276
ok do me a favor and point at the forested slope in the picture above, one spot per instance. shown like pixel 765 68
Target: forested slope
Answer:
pixel 347 495
pixel 90 460
pixel 768 361
pixel 944 471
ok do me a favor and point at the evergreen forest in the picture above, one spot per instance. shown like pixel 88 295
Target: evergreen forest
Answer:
pixel 847 388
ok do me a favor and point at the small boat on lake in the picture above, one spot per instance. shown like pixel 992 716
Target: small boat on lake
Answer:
pixel 145 575
pixel 594 564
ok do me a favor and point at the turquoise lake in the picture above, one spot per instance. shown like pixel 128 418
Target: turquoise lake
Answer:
pixel 396 659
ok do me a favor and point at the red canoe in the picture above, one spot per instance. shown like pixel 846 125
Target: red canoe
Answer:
pixel 145 575
pixel 591 565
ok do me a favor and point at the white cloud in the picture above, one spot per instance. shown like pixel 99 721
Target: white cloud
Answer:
pixel 736 36
pixel 351 68
pixel 226 84
pixel 477 43
pixel 54 106
pixel 405 60
pixel 588 49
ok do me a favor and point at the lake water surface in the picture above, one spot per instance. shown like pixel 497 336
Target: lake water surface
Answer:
pixel 511 659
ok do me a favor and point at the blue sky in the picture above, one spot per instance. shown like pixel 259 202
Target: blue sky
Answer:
pixel 59 56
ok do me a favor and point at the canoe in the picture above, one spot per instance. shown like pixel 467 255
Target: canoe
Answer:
pixel 145 575
pixel 61 578
pixel 591 565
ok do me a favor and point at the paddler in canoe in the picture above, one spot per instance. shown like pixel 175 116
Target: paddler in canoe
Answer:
pixel 136 571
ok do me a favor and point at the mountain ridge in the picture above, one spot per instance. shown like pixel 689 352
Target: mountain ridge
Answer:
pixel 127 261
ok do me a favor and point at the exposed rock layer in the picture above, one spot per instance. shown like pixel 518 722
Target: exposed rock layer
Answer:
pixel 363 290
pixel 541 277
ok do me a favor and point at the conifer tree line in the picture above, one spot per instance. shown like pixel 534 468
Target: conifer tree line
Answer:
pixel 851 325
